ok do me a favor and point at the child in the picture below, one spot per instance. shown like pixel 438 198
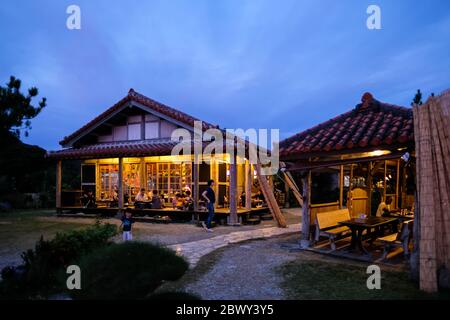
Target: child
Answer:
pixel 127 222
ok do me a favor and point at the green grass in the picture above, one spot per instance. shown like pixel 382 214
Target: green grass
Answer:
pixel 323 279
pixel 19 231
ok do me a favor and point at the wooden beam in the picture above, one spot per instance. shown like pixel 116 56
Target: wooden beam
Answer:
pixel 248 185
pixel 289 179
pixel 58 183
pixel 306 217
pixel 233 218
pixel 270 198
pixel 120 182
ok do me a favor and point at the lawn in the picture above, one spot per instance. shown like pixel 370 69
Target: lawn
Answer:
pixel 19 231
pixel 324 279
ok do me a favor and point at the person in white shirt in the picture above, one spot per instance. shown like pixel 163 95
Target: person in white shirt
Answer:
pixel 141 196
pixel 384 208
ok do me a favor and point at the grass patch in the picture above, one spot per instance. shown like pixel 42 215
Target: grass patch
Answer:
pixel 322 279
pixel 19 230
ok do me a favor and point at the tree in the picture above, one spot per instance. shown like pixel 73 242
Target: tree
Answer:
pixel 16 109
pixel 417 101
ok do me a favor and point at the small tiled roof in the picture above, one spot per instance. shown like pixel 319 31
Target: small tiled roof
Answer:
pixel 139 148
pixel 139 98
pixel 371 124
pixel 116 149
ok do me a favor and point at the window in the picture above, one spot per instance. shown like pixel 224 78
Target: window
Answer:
pixel 151 130
pixel 131 179
pixel 134 131
pixel 120 133
pixel 109 181
pixel 169 178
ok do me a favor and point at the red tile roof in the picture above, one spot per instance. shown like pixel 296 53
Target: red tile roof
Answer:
pixel 139 98
pixel 371 124
pixel 139 148
pixel 115 149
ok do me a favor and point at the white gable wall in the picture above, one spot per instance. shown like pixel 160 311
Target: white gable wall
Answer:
pixel 153 127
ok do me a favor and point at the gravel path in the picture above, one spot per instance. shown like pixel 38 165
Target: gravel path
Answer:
pixel 240 271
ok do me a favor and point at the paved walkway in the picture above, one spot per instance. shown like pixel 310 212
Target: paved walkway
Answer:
pixel 194 250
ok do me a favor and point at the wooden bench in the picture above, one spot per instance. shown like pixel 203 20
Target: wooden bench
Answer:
pixel 327 225
pixel 398 239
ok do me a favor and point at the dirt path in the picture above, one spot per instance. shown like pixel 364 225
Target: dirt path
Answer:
pixel 245 270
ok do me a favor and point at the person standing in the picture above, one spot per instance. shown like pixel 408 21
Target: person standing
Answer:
pixel 127 223
pixel 210 198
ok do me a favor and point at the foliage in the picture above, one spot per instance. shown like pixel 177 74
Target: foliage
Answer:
pixel 16 110
pixel 130 270
pixel 417 101
pixel 38 275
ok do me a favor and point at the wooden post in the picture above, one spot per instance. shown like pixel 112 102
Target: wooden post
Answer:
pixel 196 177
pixel 397 182
pixel 248 184
pixel 58 184
pixel 306 219
pixel 233 218
pixel 142 171
pixel 341 187
pixel 120 182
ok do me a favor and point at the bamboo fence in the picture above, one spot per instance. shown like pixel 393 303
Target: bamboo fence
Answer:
pixel 432 143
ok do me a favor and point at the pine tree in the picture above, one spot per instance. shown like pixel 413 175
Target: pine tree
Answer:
pixel 417 101
pixel 16 110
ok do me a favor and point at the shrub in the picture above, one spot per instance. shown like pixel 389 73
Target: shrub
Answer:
pixel 38 275
pixel 130 270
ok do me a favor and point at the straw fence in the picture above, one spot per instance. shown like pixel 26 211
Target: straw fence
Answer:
pixel 432 140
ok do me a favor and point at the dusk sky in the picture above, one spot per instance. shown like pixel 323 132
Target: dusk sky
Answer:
pixel 285 64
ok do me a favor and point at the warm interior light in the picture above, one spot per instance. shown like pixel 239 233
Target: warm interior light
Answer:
pixel 379 152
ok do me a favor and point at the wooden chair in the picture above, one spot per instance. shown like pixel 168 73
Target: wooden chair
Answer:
pixel 398 239
pixel 327 225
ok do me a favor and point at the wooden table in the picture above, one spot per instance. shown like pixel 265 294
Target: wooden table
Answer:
pixel 358 225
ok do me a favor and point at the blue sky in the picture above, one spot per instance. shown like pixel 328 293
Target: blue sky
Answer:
pixel 286 64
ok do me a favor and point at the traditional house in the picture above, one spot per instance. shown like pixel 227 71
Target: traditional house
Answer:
pixel 129 147
pixel 354 160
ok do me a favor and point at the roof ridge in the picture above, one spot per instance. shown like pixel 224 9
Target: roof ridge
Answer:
pixel 369 123
pixel 146 101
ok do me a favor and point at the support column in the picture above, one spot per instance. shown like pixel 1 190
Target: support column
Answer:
pixel 58 184
pixel 142 172
pixel 233 218
pixel 341 187
pixel 196 177
pixel 248 184
pixel 120 182
pixel 306 219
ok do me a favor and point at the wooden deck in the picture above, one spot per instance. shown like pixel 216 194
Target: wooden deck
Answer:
pixel 148 215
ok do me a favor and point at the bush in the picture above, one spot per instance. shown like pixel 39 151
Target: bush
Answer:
pixel 39 273
pixel 130 270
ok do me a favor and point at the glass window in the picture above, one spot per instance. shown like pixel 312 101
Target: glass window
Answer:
pixel 131 180
pixel 134 131
pixel 151 130
pixel 109 178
